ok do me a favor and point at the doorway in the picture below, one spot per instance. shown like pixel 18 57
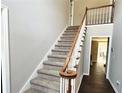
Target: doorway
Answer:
pixel 99 53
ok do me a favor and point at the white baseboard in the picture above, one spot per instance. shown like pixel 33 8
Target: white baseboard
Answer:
pixel 79 83
pixel 115 89
pixel 87 74
pixel 40 65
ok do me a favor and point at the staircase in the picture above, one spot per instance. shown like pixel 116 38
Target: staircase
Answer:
pixel 48 78
pixel 56 76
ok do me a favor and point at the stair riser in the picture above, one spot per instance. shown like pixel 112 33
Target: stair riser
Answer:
pixel 52 67
pixel 67 43
pixel 44 89
pixel 72 28
pixel 62 47
pixel 49 77
pixel 69 35
pixel 67 39
pixel 71 31
pixel 56 59
pixel 59 53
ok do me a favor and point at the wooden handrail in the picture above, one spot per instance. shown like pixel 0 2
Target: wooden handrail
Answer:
pixel 70 74
pixel 100 7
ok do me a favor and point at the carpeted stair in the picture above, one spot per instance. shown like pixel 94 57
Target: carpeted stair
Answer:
pixel 48 79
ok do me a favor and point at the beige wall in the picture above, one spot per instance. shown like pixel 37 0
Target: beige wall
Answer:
pixel 94 3
pixel 79 9
pixel 80 5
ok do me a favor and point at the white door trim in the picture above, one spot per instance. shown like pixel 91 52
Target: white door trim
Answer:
pixel 5 50
pixel 109 54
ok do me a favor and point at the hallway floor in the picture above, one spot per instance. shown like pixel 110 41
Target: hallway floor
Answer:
pixel 96 82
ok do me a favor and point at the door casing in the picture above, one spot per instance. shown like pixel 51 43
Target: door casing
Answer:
pixel 108 55
pixel 5 50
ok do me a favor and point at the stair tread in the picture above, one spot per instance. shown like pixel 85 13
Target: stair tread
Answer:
pixel 60 50
pixel 45 83
pixel 49 72
pixel 57 56
pixel 69 30
pixel 65 40
pixel 31 90
pixel 63 45
pixel 73 27
pixel 53 63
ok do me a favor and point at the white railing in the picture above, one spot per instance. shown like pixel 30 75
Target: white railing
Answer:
pixel 100 15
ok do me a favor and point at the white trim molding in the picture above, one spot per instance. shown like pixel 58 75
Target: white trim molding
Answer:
pixel 109 52
pixel 86 74
pixel 116 91
pixel 5 50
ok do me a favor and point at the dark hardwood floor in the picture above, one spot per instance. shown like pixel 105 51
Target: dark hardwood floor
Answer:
pixel 96 82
